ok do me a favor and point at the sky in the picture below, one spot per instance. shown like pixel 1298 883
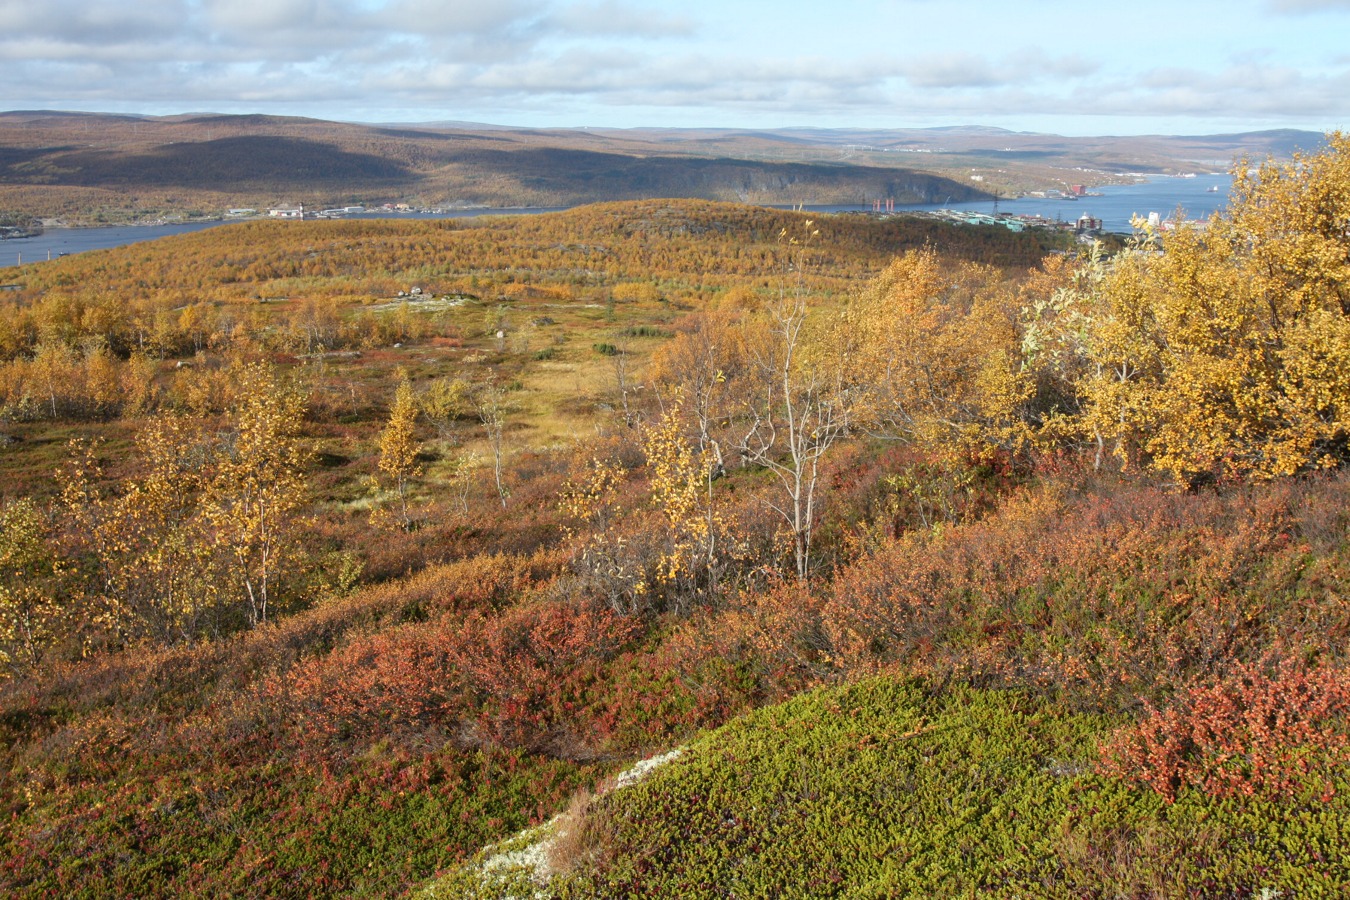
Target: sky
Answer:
pixel 1060 66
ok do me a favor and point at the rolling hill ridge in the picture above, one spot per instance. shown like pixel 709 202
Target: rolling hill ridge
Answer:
pixel 85 168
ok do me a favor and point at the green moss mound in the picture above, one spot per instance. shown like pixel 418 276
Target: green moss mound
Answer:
pixel 888 789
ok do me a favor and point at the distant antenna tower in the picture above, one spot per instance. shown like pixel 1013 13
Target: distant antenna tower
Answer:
pixel 996 196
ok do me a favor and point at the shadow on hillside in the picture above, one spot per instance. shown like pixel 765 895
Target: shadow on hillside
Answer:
pixel 225 165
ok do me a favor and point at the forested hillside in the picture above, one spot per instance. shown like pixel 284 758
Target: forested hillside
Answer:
pixel 93 169
pixel 334 552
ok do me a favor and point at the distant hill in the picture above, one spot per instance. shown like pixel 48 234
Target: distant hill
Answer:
pixel 78 166
pixel 86 167
pixel 947 148
pixel 230 163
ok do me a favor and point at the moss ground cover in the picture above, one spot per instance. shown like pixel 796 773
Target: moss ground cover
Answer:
pixel 886 789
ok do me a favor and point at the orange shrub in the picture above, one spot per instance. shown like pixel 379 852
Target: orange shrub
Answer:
pixel 1263 731
pixel 479 680
pixel 1111 593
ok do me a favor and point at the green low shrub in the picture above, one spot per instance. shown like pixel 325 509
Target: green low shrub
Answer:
pixel 888 789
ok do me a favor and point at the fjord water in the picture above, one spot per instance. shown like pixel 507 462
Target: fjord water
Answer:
pixel 1116 205
pixel 55 242
pixel 1196 197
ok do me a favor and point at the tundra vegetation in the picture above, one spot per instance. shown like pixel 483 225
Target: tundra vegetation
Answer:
pixel 965 562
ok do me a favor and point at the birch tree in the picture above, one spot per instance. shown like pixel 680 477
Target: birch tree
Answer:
pixel 153 561
pixel 491 406
pixel 794 415
pixel 399 446
pixel 259 485
pixel 32 620
pixel 795 408
pixel 1225 351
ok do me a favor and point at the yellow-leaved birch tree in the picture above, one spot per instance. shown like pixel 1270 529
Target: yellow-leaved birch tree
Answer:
pixel 399 446
pixel 32 618
pixel 1224 350
pixel 259 485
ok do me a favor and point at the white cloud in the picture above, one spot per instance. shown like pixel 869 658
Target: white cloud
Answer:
pixel 613 18
pixel 968 70
pixel 457 18
pixel 79 22
pixel 641 62
pixel 950 70
pixel 1268 92
pixel 263 15
pixel 1308 6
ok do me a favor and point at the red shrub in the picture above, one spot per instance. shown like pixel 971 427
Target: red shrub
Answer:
pixel 482 679
pixel 1268 732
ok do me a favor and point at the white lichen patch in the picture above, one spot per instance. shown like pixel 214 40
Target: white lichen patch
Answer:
pixel 518 868
pixel 643 768
pixel 527 850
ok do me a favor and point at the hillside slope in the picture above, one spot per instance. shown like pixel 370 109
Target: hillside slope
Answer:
pixel 886 789
pixel 74 165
